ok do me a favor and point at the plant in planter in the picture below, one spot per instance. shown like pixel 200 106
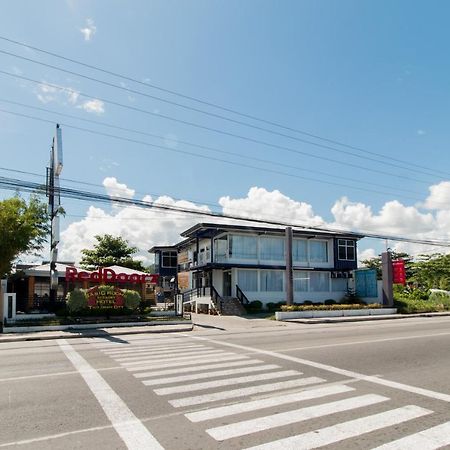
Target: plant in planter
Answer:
pixel 77 300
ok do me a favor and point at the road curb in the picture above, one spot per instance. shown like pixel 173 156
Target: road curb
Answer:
pixel 365 318
pixel 99 332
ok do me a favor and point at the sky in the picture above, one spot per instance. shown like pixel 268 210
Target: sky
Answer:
pixel 323 113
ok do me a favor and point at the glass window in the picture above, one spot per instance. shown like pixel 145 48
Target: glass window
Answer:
pixel 169 259
pixel 220 246
pixel 301 281
pixel 271 249
pixel 346 250
pixel 318 251
pixel 243 247
pixel 271 280
pixel 248 280
pixel 300 250
pixel 319 281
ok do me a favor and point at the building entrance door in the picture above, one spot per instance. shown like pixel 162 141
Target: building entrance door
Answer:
pixel 227 283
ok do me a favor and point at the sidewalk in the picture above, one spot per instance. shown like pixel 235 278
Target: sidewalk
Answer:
pixel 98 332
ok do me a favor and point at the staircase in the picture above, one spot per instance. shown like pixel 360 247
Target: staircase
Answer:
pixel 231 306
pixel 215 303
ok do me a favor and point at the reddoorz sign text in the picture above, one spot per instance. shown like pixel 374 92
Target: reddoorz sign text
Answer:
pixel 108 276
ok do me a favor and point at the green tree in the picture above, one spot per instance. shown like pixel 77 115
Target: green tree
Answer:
pixel 432 271
pixel 24 227
pixel 109 251
pixel 375 263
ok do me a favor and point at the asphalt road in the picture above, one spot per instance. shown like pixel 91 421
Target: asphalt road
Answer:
pixel 233 383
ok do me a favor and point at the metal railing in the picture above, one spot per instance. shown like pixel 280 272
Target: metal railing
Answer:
pixel 241 296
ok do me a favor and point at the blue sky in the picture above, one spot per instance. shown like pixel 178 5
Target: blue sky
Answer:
pixel 373 75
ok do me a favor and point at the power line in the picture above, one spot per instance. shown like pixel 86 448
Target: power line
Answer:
pixel 227 133
pixel 184 152
pixel 203 147
pixel 206 103
pixel 10 183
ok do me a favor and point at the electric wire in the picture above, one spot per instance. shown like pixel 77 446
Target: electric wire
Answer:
pixel 10 183
pixel 223 132
pixel 203 147
pixel 214 105
pixel 211 158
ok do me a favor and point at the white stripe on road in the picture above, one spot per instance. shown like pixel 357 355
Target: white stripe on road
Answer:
pixel 162 349
pixel 278 420
pixel 157 373
pixel 129 342
pixel 207 398
pixel 213 374
pixel 158 359
pixel 254 405
pixel 167 354
pixel 347 373
pixel 149 364
pixel 131 430
pixel 345 430
pixel 430 439
pixel 226 382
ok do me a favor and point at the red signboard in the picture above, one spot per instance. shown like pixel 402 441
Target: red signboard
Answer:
pixel 106 275
pixel 398 271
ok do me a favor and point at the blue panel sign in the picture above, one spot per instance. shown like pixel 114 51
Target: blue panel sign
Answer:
pixel 366 283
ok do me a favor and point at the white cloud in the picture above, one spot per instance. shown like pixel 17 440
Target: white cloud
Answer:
pixel 274 205
pixel 89 30
pixel 116 189
pixel 421 132
pixel 93 106
pixel 439 197
pixel 144 227
pixel 47 93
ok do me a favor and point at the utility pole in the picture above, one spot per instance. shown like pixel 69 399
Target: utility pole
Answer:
pixel 386 271
pixel 54 203
pixel 289 272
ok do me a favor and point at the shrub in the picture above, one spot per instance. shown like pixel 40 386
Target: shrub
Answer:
pixel 335 307
pixel 351 298
pixel 254 307
pixel 76 300
pixel 329 301
pixel 132 299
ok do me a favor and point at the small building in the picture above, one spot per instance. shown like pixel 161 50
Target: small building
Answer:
pixel 166 267
pixel 251 260
pixel 31 284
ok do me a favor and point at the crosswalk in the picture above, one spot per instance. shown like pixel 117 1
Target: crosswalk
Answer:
pixel 235 395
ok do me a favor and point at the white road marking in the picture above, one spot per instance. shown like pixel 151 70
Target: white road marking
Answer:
pixel 158 349
pixel 145 365
pixel 212 374
pixel 430 439
pixel 347 373
pixel 277 420
pixel 254 405
pixel 157 373
pixel 368 341
pixel 345 430
pixel 131 430
pixel 226 382
pixel 168 354
pixel 158 359
pixel 207 398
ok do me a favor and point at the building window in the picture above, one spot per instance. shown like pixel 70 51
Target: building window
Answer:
pixel 318 251
pixel 248 280
pixel 243 247
pixel 319 281
pixel 271 280
pixel 300 250
pixel 221 248
pixel 271 249
pixel 346 250
pixel 301 279
pixel 169 259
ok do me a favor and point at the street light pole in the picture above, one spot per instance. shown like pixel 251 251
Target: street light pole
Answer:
pixel 54 203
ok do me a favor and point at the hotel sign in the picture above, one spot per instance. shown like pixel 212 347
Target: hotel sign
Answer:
pixel 106 275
